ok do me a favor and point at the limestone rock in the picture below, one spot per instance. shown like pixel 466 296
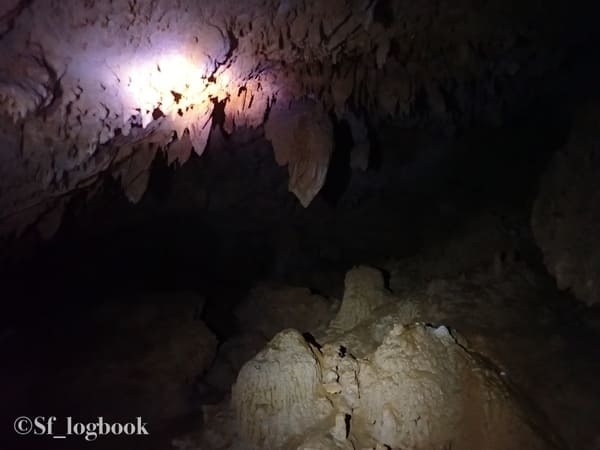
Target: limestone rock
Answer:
pixel 364 291
pixel 420 388
pixel 378 379
pixel 153 349
pixel 80 80
pixel 566 215
pixel 276 396
pixel 232 355
pixel 302 138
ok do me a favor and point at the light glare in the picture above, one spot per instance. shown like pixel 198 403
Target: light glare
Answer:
pixel 172 83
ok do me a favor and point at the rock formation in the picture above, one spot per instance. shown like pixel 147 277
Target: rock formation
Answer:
pixel 418 386
pixel 419 389
pixel 302 138
pixel 364 291
pixel 566 215
pixel 277 394
pixel 98 88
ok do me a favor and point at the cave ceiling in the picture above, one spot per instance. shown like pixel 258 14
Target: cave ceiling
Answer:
pixel 90 89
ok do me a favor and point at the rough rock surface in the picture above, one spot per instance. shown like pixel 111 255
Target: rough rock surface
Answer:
pixel 96 88
pixel 364 291
pixel 277 394
pixel 566 215
pixel 267 310
pixel 403 385
pixel 421 388
pixel 302 137
pixel 271 308
pixel 231 356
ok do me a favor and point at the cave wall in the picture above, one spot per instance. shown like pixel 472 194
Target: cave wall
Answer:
pixel 566 214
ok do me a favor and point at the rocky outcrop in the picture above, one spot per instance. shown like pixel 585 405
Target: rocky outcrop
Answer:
pixel 364 292
pixel 397 384
pixel 231 357
pixel 277 394
pixel 566 215
pixel 97 88
pixel 421 388
pixel 267 310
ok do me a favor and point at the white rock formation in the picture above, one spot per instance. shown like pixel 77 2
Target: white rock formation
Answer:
pixel 418 387
pixel 364 291
pixel 302 138
pixel 277 394
pixel 231 356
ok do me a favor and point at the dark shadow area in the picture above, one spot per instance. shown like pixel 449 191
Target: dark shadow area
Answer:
pixel 339 172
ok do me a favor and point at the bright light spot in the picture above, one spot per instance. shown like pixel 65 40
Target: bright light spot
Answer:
pixel 175 72
pixel 172 83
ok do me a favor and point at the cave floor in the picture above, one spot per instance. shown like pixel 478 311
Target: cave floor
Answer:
pixel 84 362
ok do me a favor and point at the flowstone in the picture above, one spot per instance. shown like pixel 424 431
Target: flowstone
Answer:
pixel 416 386
pixel 276 396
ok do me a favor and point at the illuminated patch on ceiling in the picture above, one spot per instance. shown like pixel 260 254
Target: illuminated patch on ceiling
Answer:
pixel 173 84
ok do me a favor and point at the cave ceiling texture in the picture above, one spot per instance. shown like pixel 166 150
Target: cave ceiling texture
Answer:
pixel 96 88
